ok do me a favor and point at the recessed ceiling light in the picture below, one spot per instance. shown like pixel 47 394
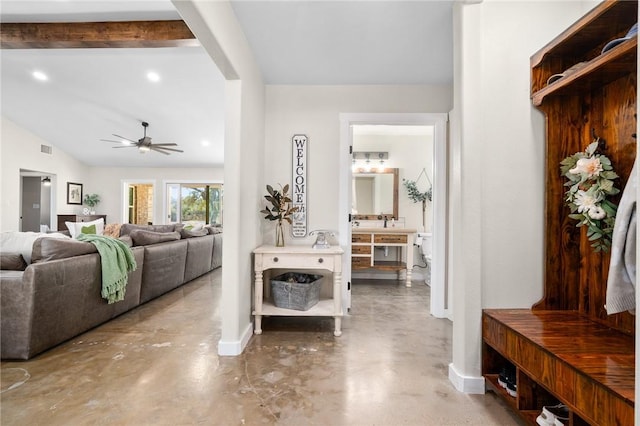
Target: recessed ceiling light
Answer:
pixel 39 75
pixel 153 76
pixel 205 143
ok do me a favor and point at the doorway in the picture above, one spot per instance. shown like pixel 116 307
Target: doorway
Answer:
pixel 438 305
pixel 37 205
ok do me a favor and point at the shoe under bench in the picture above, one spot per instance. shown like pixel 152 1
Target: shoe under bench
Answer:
pixel 560 357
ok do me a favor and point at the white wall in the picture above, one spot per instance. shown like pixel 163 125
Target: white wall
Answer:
pixel 314 111
pixel 107 182
pixel 497 182
pixel 217 29
pixel 20 149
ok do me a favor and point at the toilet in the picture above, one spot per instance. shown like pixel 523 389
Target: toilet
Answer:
pixel 425 241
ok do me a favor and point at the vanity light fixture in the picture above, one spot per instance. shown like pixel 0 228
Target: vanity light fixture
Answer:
pixel 366 156
pixel 46 181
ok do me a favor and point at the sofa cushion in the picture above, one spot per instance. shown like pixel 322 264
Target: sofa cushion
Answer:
pixel 75 228
pixel 190 233
pixel 12 262
pixel 45 249
pixel 127 228
pixel 141 237
pixel 213 229
pixel 22 242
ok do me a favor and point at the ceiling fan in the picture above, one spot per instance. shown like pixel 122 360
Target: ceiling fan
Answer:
pixel 144 144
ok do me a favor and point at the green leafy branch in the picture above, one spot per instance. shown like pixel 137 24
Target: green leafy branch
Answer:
pixel 280 204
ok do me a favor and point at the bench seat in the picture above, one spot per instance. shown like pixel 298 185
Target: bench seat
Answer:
pixel 581 363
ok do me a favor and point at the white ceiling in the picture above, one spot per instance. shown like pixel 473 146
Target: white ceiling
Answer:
pixel 93 93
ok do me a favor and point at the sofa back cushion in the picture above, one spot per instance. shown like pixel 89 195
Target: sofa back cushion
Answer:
pixel 142 237
pixel 188 233
pixel 127 228
pixel 45 249
pixel 12 262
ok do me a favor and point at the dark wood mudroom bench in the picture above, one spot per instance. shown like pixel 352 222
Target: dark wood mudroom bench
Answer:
pixel 567 349
pixel 561 356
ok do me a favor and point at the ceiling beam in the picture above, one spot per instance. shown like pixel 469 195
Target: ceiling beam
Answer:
pixel 69 35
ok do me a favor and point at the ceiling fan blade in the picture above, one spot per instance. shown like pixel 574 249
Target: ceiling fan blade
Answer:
pixel 165 144
pixel 166 149
pixel 109 140
pixel 158 150
pixel 125 146
pixel 126 139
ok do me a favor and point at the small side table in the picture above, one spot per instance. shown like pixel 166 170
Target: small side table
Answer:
pixel 298 257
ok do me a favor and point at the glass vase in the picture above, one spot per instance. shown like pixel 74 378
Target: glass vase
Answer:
pixel 279 234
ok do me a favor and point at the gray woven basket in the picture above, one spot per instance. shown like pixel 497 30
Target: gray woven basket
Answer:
pixel 295 290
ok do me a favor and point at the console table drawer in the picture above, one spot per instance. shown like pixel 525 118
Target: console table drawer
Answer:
pixel 390 238
pixel 298 261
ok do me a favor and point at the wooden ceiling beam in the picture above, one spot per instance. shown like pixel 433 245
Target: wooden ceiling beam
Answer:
pixel 69 35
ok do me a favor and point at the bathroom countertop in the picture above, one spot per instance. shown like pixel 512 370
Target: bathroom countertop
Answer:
pixel 381 230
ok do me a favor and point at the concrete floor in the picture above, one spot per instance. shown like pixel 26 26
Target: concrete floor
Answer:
pixel 158 365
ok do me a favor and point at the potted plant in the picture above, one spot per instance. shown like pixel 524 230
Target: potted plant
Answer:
pixel 280 210
pixel 92 200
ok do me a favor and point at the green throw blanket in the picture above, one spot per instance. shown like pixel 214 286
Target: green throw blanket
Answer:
pixel 117 261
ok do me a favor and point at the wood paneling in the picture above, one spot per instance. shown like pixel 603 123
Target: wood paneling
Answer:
pixel 66 35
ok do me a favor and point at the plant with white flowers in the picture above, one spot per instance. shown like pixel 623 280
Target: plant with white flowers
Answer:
pixel 590 181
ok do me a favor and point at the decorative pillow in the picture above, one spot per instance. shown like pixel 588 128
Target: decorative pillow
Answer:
pixel 91 229
pixel 188 233
pixel 45 249
pixel 75 228
pixel 192 226
pixel 12 262
pixel 127 240
pixel 141 237
pixel 112 230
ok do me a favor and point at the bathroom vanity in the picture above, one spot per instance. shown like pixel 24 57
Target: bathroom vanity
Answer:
pixel 365 240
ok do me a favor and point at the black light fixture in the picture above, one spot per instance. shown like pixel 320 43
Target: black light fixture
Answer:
pixel 46 181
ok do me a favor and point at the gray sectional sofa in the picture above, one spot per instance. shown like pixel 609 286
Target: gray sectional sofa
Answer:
pixel 57 297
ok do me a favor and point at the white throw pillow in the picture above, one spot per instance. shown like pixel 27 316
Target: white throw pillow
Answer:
pixel 75 228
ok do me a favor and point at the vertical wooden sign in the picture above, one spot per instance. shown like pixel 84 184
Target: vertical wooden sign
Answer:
pixel 299 185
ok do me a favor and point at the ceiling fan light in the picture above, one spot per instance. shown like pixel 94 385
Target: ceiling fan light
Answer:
pixel 143 149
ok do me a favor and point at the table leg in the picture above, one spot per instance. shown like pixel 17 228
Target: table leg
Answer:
pixel 258 288
pixel 338 330
pixel 337 303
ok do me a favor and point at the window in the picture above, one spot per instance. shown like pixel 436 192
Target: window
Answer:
pixel 195 202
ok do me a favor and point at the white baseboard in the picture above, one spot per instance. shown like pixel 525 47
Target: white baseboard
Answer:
pixel 235 348
pixel 466 384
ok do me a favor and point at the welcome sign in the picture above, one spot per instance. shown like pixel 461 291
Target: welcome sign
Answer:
pixel 299 185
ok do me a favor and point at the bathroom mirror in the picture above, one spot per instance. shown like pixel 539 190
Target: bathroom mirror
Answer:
pixel 375 193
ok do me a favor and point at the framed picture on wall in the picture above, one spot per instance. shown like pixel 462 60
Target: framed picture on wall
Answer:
pixel 74 193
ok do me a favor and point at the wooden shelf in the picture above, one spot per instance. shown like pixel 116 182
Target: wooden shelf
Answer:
pixel 604 69
pixel 389 265
pixel 324 308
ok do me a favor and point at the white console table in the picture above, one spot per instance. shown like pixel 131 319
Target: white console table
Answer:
pixel 298 257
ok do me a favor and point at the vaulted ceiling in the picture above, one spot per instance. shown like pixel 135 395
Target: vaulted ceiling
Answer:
pixel 91 94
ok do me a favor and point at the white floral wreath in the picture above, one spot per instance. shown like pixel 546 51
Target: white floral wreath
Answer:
pixel 590 182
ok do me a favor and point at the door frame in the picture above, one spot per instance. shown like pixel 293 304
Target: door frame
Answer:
pixel 438 306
